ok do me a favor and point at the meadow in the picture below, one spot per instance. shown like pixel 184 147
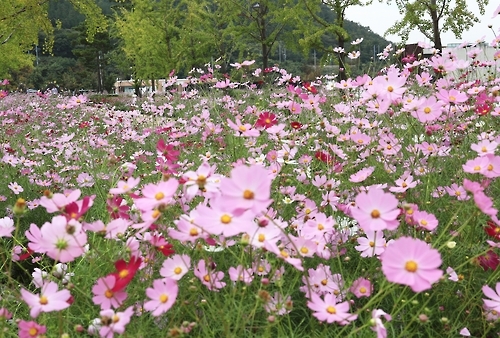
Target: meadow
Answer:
pixel 327 208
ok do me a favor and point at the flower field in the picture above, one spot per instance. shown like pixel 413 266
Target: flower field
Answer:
pixel 272 207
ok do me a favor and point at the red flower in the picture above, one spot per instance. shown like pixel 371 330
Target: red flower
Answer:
pixel 116 209
pixel 125 272
pixel 489 261
pixel 324 157
pixel 162 245
pixel 310 88
pixel 266 120
pixel 296 125
pixel 492 229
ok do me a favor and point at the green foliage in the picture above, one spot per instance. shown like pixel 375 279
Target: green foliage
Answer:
pixel 433 17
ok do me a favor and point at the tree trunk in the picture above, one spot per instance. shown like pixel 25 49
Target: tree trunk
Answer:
pixel 341 58
pixel 435 27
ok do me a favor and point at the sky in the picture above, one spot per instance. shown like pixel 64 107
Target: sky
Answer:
pixel 379 17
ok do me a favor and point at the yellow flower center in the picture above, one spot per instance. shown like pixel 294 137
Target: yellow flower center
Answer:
pixel 411 266
pixel 423 222
pixel 248 195
pixel 304 250
pixel 44 300
pixel 123 273
pixel 177 270
pixel 108 293
pixel 159 196
pixel 262 238
pixel 193 232
pixel 331 310
pixel 362 289
pixel 427 110
pixel 375 213
pixel 390 89
pixel 163 298
pixel 33 332
pixel 371 244
pixel 324 282
pixel 320 227
pixel 226 219
pixel 243 128
pixel 206 278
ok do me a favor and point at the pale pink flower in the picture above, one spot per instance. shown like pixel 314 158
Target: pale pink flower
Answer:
pixel 6 227
pixel 157 194
pixel 104 294
pixel 493 303
pixel 211 279
pixel 411 262
pixel 125 187
pixel 174 267
pixel 248 188
pixel 371 245
pixel 162 296
pixel 49 299
pixel 116 321
pixel 327 309
pixel 377 324
pixel 30 329
pixel 361 287
pixel 376 210
pixel 16 188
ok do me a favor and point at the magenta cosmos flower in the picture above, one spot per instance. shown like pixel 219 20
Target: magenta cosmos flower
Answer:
pixel 376 210
pixel 411 262
pixel 248 188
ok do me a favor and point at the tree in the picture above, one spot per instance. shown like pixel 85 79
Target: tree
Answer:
pixel 265 22
pixel 22 20
pixel 318 26
pixel 433 17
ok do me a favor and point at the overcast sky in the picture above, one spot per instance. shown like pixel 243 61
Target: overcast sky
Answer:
pixel 379 17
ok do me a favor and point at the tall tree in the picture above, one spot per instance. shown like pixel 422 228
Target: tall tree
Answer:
pixel 318 26
pixel 265 22
pixel 22 20
pixel 434 17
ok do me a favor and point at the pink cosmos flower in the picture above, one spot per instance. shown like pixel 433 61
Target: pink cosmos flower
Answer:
pixel 429 109
pixel 240 274
pixel 49 299
pixel 377 324
pixel 376 210
pixel 125 187
pixel 425 220
pixel 175 267
pixel 371 245
pixel 6 227
pixel 248 188
pixel 221 219
pixel 361 287
pixel 104 294
pixel 162 296
pixel 57 202
pixel 361 175
pixel 203 179
pixel 211 279
pixel 327 309
pixel 411 262
pixel 157 194
pixel 62 241
pixel 31 329
pixel 114 322
pixel 493 303
pixel 16 188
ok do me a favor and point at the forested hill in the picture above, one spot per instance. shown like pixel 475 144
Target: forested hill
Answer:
pixel 372 43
